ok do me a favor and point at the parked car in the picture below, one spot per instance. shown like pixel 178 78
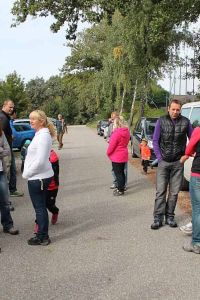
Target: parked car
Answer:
pixel 101 125
pixel 144 129
pixel 192 112
pixel 21 132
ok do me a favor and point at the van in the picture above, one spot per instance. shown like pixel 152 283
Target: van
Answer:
pixel 192 112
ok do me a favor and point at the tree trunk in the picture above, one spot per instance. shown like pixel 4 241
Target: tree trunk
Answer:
pixel 132 106
pixel 122 102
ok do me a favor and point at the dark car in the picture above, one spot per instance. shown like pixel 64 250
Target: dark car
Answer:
pixel 101 125
pixel 21 132
pixel 143 129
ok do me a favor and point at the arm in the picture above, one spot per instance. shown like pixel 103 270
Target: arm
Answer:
pixel 190 130
pixel 5 149
pixel 112 144
pixel 191 147
pixel 156 139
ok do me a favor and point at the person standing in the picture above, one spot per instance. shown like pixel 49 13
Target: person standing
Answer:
pixel 61 128
pixel 6 219
pixel 193 149
pixel 118 153
pixel 5 116
pixel 169 142
pixel 145 155
pixel 38 171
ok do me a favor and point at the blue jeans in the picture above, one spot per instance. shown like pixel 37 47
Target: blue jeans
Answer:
pixel 6 219
pixel 37 191
pixel 126 174
pixel 12 178
pixel 195 199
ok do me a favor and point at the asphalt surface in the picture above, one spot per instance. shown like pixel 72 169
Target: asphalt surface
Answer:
pixel 102 246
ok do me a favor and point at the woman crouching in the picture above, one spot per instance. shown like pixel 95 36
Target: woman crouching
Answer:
pixel 39 172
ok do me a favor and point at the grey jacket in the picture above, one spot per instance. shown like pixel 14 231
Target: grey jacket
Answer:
pixel 5 155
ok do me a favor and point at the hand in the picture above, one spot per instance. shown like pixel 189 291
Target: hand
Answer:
pixel 183 158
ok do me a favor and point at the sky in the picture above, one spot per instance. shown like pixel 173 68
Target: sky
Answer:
pixel 32 50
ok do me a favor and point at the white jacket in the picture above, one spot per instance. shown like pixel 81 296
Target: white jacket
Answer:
pixel 37 164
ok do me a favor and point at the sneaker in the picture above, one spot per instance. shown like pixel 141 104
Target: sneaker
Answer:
pixel 35 241
pixel 157 223
pixel 11 231
pixel 192 248
pixel 118 193
pixel 113 186
pixel 35 230
pixel 16 194
pixel 171 222
pixel 54 219
pixel 186 229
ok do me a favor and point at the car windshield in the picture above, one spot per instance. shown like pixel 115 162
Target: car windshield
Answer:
pixel 150 126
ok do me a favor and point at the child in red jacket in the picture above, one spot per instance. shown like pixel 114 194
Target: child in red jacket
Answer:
pixel 52 190
pixel 145 154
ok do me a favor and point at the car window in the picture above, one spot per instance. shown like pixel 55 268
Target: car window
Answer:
pixel 21 127
pixel 104 123
pixel 150 126
pixel 195 117
pixel 186 112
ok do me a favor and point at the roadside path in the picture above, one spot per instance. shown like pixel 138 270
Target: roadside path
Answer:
pixel 102 247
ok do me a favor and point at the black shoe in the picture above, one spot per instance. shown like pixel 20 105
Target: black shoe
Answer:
pixel 171 222
pixel 35 241
pixel 11 231
pixel 156 224
pixel 11 207
pixel 118 193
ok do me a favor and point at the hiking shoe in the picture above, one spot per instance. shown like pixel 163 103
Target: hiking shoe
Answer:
pixel 186 229
pixel 35 230
pixel 118 193
pixel 157 223
pixel 113 186
pixel 192 248
pixel 16 194
pixel 54 219
pixel 171 222
pixel 11 231
pixel 35 241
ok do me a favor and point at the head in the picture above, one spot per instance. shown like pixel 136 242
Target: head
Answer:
pixel 174 109
pixel 59 117
pixel 119 122
pixel 144 142
pixel 114 115
pixel 38 120
pixel 8 106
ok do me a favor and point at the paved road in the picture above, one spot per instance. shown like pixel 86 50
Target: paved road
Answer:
pixel 102 247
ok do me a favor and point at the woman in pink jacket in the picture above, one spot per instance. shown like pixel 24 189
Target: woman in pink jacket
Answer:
pixel 118 153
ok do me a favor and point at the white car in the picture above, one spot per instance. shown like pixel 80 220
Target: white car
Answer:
pixel 192 112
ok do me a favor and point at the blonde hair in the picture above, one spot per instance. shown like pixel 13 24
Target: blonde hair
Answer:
pixel 40 115
pixel 119 122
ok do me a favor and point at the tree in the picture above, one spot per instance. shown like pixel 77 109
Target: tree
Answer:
pixel 14 88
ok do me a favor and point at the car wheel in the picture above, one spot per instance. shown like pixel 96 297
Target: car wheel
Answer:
pixel 185 185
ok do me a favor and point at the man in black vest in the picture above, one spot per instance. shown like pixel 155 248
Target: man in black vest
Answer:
pixel 5 113
pixel 169 142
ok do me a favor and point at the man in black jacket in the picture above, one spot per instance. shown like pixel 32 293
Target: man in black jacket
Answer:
pixel 169 143
pixel 5 113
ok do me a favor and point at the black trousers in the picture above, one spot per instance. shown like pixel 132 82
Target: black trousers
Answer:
pixel 51 201
pixel 118 169
pixel 145 164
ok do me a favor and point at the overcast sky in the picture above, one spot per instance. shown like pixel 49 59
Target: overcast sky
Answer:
pixel 32 50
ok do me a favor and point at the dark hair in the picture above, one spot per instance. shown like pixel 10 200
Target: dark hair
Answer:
pixel 1 130
pixel 176 101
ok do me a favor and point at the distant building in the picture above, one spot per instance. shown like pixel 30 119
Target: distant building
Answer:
pixel 186 98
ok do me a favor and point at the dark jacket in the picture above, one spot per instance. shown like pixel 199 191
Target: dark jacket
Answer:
pixel 173 137
pixel 5 119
